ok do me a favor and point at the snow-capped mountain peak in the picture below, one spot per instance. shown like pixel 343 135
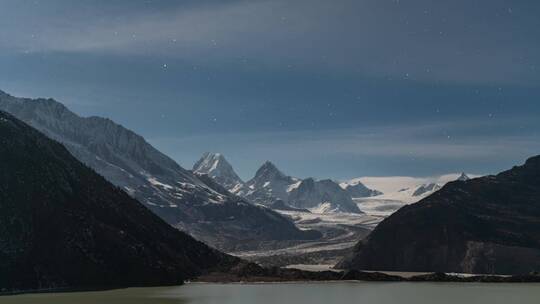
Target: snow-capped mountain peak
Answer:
pixel 218 168
pixel 463 177
pixel 322 196
pixel 268 185
pixel 269 171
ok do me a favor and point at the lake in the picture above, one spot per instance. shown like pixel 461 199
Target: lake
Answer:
pixel 299 293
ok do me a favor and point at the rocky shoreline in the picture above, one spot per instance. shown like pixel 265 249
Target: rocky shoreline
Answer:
pixel 253 273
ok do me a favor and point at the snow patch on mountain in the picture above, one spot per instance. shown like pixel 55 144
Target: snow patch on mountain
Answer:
pixel 294 186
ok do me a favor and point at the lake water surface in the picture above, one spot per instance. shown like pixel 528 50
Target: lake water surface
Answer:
pixel 299 293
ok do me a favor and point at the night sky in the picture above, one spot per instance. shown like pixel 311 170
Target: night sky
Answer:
pixel 334 89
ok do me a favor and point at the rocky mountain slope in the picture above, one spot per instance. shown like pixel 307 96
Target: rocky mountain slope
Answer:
pixel 175 194
pixel 486 225
pixel 64 226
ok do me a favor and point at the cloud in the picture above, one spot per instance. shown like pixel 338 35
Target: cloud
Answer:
pixel 416 40
pixel 137 32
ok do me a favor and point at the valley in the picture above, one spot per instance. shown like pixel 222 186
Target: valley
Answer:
pixel 340 232
pixel 271 226
pixel 269 151
pixel 270 218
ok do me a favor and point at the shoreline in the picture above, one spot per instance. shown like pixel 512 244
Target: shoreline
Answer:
pixel 251 272
pixel 430 278
pixel 351 276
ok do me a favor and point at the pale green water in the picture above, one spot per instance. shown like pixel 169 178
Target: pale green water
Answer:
pixel 300 293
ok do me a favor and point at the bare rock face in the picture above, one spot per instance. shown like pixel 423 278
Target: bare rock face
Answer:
pixel 64 226
pixel 129 162
pixel 485 225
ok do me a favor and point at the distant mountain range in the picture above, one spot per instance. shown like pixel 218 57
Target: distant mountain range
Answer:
pixel 65 226
pixel 178 196
pixel 487 225
pixel 411 191
pixel 270 185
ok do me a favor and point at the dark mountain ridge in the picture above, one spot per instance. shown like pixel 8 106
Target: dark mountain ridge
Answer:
pixel 64 226
pixel 488 225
